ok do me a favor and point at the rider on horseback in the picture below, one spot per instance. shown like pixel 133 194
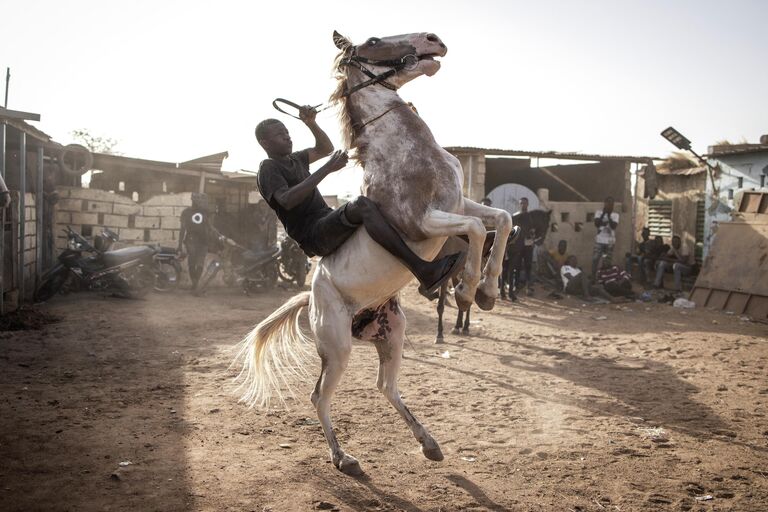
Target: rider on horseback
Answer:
pixel 287 186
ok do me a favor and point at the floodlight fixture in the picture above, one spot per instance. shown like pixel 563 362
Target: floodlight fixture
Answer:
pixel 676 138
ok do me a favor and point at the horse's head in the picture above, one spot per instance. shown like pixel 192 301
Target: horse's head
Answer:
pixel 539 221
pixel 401 58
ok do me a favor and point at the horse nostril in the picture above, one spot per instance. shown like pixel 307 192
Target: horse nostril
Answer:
pixel 432 38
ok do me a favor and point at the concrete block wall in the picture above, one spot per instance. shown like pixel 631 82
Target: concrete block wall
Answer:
pixel 89 210
pixel 30 242
pixel 575 225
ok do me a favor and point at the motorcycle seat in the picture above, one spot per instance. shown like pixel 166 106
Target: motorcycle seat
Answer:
pixel 119 256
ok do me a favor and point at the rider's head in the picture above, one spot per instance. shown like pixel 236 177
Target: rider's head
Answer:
pixel 273 136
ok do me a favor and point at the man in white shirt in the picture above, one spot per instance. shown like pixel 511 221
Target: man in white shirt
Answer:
pixel 606 221
pixel 575 283
pixel 678 260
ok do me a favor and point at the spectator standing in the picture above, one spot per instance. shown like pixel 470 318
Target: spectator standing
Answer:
pixel 522 254
pixel 606 222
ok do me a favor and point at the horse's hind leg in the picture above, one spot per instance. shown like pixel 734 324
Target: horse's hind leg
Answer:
pixel 389 344
pixel 440 308
pixel 334 345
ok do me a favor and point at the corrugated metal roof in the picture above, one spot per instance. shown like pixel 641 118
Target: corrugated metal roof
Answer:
pixel 736 149
pixel 548 154
pixel 680 172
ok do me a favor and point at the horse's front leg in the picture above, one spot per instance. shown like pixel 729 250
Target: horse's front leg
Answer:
pixel 438 223
pixel 502 221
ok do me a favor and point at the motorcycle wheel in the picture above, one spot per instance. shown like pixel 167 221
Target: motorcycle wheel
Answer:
pixel 167 276
pixel 284 273
pixel 52 281
pixel 137 283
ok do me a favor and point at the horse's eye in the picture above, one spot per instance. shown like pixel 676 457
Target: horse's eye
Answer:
pixel 373 41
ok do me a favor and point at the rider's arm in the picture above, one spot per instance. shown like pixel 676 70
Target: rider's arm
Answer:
pixel 323 145
pixel 290 197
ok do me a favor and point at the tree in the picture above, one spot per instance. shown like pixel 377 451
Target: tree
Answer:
pixel 95 143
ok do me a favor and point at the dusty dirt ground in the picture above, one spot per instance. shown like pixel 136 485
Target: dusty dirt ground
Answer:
pixel 546 406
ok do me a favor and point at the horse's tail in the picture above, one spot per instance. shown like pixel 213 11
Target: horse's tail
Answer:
pixel 274 354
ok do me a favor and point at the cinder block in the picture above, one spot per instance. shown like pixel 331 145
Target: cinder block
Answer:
pixel 98 207
pixel 92 194
pixel 183 199
pixel 150 211
pixel 126 209
pixel 118 221
pixel 161 235
pixel 85 218
pixel 178 209
pixel 63 217
pixel 170 222
pixel 127 234
pixel 71 205
pixel 146 222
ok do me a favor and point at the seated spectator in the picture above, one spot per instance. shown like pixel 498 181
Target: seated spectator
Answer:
pixel 653 251
pixel 616 282
pixel 576 283
pixel 641 250
pixel 675 260
pixel 553 259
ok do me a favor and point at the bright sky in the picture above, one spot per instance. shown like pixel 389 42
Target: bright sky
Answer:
pixel 175 80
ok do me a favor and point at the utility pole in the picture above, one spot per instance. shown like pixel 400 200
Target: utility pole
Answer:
pixel 7 80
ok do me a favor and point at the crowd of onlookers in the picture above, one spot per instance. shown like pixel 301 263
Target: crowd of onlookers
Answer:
pixel 647 265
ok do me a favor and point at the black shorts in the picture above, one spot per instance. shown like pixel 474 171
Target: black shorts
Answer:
pixel 328 233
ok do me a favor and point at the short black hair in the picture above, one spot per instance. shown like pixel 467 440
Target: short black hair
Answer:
pixel 261 128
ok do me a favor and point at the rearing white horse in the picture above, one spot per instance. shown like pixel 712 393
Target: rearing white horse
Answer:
pixel 418 187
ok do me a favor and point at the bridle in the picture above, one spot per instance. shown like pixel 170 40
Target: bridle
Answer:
pixel 406 62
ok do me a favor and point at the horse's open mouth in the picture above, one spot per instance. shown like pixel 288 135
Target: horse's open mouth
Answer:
pixel 430 56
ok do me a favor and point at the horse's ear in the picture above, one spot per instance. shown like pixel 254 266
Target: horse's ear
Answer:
pixel 341 42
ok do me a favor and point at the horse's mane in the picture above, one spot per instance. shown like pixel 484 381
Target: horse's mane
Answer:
pixel 338 99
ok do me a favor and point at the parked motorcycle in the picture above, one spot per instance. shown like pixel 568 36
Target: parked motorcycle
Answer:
pixel 294 264
pixel 167 263
pixel 129 272
pixel 259 270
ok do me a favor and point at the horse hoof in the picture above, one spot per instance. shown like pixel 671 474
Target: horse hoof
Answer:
pixel 433 453
pixel 439 340
pixel 350 466
pixel 465 332
pixel 483 301
pixel 454 331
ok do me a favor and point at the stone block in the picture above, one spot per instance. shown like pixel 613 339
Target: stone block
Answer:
pixel 170 222
pixel 161 235
pixel 146 222
pixel 63 217
pixel 71 205
pixel 128 234
pixel 118 221
pixel 126 209
pixel 183 199
pixel 98 207
pixel 150 211
pixel 85 218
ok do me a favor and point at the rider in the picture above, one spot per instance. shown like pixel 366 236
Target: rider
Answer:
pixel 288 187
